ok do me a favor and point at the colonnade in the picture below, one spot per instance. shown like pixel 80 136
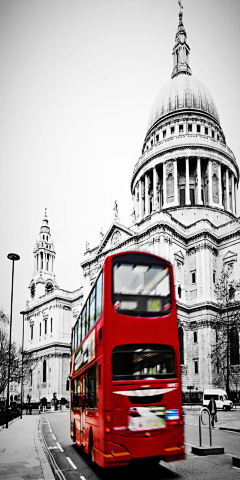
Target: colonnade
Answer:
pixel 164 185
pixel 44 261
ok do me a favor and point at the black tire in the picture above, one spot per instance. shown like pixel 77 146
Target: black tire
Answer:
pixel 74 432
pixel 91 451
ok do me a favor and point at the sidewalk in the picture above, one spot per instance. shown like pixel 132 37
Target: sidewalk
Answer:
pixel 21 451
pixel 230 426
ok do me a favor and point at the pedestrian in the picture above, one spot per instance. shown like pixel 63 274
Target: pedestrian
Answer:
pixel 212 407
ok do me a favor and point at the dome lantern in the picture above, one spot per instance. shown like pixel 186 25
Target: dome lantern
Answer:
pixel 181 49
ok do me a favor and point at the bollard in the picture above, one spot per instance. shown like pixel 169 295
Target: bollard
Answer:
pixel 206 450
pixel 204 409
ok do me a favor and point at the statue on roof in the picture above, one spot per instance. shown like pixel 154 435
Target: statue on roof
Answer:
pixel 180 5
pixel 115 209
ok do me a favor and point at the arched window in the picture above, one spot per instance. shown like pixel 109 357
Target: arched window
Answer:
pixel 231 293
pixel 44 371
pixel 234 346
pixel 215 188
pixel 181 344
pixel 170 188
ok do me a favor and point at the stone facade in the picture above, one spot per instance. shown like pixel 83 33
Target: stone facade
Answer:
pixel 184 208
pixel 48 319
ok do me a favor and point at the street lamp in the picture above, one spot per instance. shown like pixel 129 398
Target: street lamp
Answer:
pixel 14 257
pixel 22 313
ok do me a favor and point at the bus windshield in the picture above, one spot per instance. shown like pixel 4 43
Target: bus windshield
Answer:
pixel 133 362
pixel 141 289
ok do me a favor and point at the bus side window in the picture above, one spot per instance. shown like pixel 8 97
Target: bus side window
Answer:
pixel 85 398
pixel 87 318
pixel 83 320
pixel 92 383
pixel 99 297
pixel 76 336
pixel 92 308
pixel 100 374
pixel 79 331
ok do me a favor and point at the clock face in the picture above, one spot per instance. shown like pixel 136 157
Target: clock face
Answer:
pixel 33 288
pixel 48 287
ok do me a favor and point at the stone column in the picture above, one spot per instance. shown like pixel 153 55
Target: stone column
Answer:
pixel 176 202
pixel 164 186
pixel 199 182
pixel 220 184
pixel 187 192
pixel 135 201
pixel 154 188
pixel 210 181
pixel 146 196
pixel 227 191
pixel 233 195
pixel 140 199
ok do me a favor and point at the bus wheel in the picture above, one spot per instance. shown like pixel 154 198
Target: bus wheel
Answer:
pixel 91 452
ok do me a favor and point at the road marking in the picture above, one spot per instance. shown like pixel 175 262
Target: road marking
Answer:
pixel 54 438
pixel 71 463
pixel 60 448
pixel 50 429
pixel 82 477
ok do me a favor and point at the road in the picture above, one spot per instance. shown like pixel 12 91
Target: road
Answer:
pixel 73 463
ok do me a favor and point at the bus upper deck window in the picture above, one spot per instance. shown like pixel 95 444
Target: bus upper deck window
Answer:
pixel 143 289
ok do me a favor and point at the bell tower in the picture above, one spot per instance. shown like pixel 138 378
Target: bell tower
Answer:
pixel 43 279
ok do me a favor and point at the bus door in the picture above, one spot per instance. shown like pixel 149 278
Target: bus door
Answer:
pixel 82 408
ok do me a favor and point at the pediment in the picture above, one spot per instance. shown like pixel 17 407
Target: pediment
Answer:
pixel 230 257
pixel 115 236
pixel 179 257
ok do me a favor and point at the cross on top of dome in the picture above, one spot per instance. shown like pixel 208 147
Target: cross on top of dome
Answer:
pixel 181 49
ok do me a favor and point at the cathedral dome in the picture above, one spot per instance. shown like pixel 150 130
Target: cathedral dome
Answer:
pixel 181 93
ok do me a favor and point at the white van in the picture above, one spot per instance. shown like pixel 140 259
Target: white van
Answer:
pixel 219 396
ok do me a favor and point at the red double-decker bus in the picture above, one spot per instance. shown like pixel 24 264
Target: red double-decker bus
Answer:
pixel 126 398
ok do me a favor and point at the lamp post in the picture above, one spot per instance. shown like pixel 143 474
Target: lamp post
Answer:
pixel 14 257
pixel 22 396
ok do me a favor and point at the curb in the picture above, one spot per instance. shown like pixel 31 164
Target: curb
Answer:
pixel 229 429
pixel 47 471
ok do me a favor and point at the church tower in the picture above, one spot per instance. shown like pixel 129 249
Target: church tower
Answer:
pixel 43 279
pixel 48 318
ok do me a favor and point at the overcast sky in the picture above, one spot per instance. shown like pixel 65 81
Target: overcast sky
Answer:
pixel 77 82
